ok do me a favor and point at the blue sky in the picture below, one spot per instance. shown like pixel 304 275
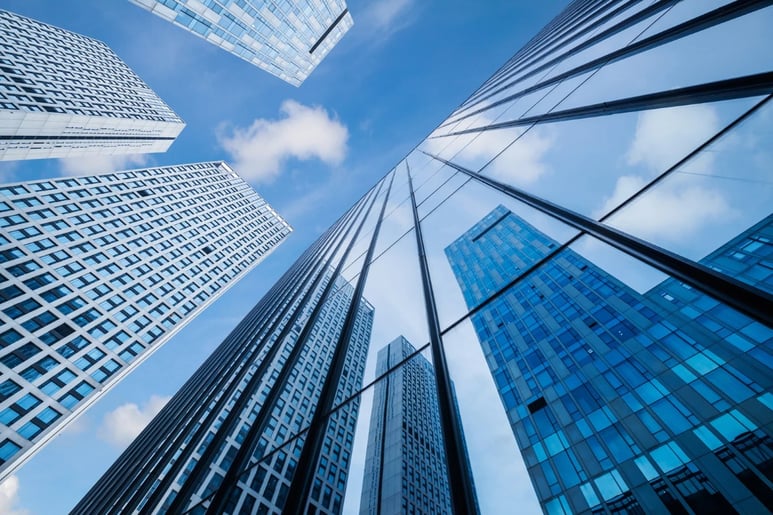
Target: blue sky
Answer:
pixel 400 70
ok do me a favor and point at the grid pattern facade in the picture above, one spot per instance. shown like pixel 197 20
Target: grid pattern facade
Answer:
pixel 287 39
pixel 263 488
pixel 226 423
pixel 748 257
pixel 63 94
pixel 99 270
pixel 617 403
pixel 405 471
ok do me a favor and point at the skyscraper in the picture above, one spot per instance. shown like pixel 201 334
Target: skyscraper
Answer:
pixel 99 271
pixel 629 129
pixel 285 39
pixel 405 471
pixel 271 395
pixel 64 95
pixel 608 394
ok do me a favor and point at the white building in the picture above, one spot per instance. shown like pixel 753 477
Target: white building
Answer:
pixel 65 95
pixel 287 39
pixel 97 272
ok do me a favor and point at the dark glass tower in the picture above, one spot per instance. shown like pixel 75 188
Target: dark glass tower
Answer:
pixel 618 402
pixel 404 467
pixel 213 443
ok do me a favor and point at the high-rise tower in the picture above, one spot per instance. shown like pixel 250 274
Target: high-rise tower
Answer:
pixel 404 467
pixel 238 436
pixel 66 95
pixel 97 272
pixel 286 39
pixel 616 402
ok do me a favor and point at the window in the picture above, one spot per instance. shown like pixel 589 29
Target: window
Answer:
pixel 7 389
pixel 18 409
pixel 23 268
pixel 78 343
pixel 7 450
pixel 732 425
pixel 36 282
pixel 22 308
pixel 84 280
pixel 71 305
pixel 56 293
pixel 38 321
pixel 55 257
pixel 86 317
pixel 9 293
pixel 102 329
pixel 57 334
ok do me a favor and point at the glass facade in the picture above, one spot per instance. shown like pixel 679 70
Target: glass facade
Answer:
pixel 64 95
pixel 284 382
pixel 98 271
pixel 286 39
pixel 600 338
pixel 599 380
pixel 404 468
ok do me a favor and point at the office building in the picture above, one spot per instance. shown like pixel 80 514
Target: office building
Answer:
pixel 99 271
pixel 268 393
pixel 617 403
pixel 613 108
pixel 67 95
pixel 286 39
pixel 747 257
pixel 404 467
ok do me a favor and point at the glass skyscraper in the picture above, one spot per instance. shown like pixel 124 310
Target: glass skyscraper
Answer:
pixel 608 394
pixel 627 140
pixel 235 438
pixel 97 272
pixel 65 95
pixel 286 39
pixel 404 468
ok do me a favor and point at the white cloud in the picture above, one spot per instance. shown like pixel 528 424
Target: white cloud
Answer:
pixel 664 136
pixel 302 132
pixel 521 163
pixel 89 165
pixel 77 426
pixel 679 206
pixel 383 18
pixel 475 146
pixel 124 423
pixel 9 497
pixel 669 211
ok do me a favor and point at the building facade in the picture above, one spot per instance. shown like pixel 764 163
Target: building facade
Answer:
pixel 99 271
pixel 286 39
pixel 229 421
pixel 405 471
pixel 66 95
pixel 618 402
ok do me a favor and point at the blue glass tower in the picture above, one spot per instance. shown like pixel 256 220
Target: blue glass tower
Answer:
pixel 620 401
